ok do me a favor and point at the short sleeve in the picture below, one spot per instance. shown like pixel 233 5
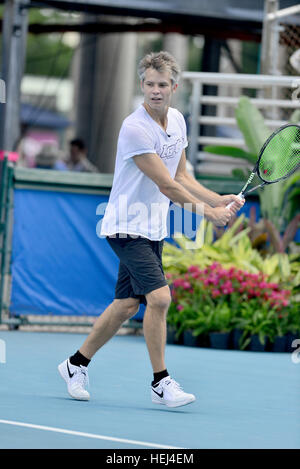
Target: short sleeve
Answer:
pixel 134 140
pixel 184 130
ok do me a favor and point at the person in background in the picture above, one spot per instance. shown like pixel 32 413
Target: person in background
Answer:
pixel 78 160
pixel 49 158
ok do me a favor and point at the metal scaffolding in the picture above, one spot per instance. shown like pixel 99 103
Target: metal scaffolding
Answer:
pixel 273 16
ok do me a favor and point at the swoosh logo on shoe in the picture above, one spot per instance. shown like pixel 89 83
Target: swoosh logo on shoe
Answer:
pixel 160 394
pixel 70 374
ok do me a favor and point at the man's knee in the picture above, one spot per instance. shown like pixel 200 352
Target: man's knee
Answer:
pixel 159 299
pixel 126 308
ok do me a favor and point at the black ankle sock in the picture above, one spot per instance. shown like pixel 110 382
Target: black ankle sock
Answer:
pixel 158 376
pixel 78 359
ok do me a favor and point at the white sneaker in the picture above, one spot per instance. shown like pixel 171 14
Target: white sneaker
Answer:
pixel 76 378
pixel 168 392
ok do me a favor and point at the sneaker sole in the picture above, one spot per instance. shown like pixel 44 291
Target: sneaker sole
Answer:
pixel 63 375
pixel 173 404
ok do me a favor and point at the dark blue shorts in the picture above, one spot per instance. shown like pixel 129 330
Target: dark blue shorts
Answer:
pixel 140 270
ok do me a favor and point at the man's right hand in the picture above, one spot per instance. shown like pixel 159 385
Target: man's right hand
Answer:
pixel 219 216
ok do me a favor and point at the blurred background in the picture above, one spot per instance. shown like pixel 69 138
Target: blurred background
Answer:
pixel 68 78
pixel 75 66
pixel 69 72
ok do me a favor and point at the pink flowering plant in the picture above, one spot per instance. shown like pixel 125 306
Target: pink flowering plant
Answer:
pixel 222 299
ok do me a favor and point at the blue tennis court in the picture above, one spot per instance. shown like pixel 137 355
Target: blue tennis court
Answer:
pixel 244 399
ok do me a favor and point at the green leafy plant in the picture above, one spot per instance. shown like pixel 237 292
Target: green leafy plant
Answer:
pixel 233 249
pixel 216 299
pixel 278 201
pixel 264 236
pixel 255 320
pixel 267 322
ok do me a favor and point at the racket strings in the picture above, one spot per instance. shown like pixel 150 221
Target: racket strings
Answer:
pixel 281 155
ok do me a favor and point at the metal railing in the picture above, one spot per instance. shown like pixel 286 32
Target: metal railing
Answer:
pixel 267 85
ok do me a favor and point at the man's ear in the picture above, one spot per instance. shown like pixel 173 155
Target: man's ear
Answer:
pixel 175 87
pixel 142 85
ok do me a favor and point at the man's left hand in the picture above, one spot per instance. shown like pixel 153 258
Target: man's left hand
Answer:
pixel 227 199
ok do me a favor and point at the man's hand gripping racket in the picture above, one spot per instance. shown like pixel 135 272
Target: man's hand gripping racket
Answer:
pixel 279 157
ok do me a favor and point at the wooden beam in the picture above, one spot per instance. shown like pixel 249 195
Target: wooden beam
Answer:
pixel 146 27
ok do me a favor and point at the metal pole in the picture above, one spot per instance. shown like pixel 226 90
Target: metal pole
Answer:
pixel 115 75
pixel 267 45
pixel 6 36
pixel 270 44
pixel 13 68
pixel 177 45
pixel 285 12
pixel 194 123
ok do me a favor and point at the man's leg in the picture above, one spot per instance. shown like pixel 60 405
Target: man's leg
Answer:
pixel 74 369
pixel 158 302
pixel 164 389
pixel 107 324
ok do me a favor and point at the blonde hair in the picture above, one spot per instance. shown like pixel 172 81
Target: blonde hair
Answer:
pixel 160 61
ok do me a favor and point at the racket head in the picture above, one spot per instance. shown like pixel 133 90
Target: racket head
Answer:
pixel 280 154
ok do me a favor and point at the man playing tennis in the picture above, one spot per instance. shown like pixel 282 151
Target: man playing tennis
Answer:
pixel 150 171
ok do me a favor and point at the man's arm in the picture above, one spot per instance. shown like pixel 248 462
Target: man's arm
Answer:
pixel 184 178
pixel 153 167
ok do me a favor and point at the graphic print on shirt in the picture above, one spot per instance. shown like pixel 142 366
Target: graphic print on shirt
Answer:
pixel 169 151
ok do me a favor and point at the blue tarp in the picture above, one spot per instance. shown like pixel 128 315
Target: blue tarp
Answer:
pixel 40 117
pixel 59 264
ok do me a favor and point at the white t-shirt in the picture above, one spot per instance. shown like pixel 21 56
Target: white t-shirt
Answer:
pixel 136 206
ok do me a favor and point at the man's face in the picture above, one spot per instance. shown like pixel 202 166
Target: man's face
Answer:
pixel 75 153
pixel 158 89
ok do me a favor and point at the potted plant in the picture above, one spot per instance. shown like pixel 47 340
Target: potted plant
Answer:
pixel 280 344
pixel 232 249
pixel 293 327
pixel 281 321
pixel 218 300
pixel 259 327
pixel 220 326
pixel 195 330
pixel 174 319
pixel 236 333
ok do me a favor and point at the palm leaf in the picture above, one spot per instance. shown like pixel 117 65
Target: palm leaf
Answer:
pixel 252 125
pixel 234 152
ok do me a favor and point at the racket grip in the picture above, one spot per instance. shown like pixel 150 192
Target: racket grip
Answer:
pixel 240 196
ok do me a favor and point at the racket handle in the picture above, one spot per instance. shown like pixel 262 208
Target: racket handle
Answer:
pixel 240 196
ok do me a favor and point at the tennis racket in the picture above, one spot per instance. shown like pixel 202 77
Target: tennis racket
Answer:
pixel 279 157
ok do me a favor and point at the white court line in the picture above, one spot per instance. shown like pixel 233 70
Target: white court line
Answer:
pixel 87 435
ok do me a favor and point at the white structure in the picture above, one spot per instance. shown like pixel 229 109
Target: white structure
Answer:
pixel 60 90
pixel 220 165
